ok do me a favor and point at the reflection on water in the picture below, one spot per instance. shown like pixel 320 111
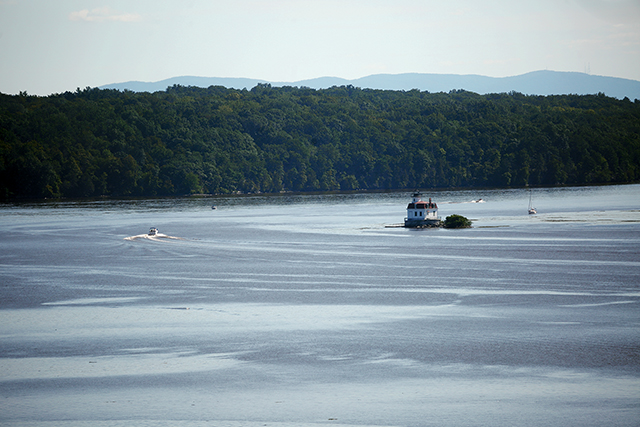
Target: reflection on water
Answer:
pixel 597 198
pixel 307 309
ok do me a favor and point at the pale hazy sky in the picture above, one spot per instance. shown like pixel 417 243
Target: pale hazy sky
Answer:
pixel 52 46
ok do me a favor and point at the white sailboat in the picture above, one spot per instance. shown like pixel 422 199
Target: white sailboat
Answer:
pixel 532 210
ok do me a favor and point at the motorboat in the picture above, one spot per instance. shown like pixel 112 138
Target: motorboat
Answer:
pixel 153 231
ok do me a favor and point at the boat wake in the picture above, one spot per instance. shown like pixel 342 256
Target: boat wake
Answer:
pixel 470 201
pixel 157 236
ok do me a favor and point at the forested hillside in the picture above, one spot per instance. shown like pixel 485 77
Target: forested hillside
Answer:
pixel 189 140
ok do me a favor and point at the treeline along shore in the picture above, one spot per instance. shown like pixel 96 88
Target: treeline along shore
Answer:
pixel 189 140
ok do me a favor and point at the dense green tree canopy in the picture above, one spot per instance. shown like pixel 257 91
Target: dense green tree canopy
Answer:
pixel 457 221
pixel 189 140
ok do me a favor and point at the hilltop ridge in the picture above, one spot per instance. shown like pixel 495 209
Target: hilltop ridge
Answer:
pixel 542 82
pixel 214 140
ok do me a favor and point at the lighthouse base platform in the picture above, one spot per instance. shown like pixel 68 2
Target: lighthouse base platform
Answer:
pixel 422 223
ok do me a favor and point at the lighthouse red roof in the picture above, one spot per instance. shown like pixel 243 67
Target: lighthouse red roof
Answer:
pixel 422 205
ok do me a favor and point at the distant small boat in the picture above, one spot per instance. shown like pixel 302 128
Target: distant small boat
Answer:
pixel 532 210
pixel 153 231
pixel 214 207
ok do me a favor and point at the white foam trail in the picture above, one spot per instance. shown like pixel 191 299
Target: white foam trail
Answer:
pixel 154 237
pixel 461 203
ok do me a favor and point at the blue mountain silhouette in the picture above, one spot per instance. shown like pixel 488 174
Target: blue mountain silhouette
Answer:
pixel 534 83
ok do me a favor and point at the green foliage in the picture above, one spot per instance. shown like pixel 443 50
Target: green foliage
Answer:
pixel 457 221
pixel 189 140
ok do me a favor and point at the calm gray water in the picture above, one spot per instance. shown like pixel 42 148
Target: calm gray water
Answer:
pixel 310 310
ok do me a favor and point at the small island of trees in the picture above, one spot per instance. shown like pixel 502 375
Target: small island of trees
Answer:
pixel 456 221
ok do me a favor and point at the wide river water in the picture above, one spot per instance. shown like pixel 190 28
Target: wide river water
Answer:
pixel 314 310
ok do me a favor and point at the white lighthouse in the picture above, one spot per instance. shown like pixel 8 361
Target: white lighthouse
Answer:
pixel 421 213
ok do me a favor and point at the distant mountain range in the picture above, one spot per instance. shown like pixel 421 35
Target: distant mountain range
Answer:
pixel 534 83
